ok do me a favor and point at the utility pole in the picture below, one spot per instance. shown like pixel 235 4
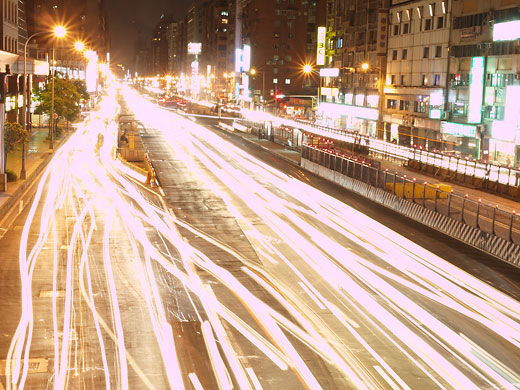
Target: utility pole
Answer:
pixel 3 91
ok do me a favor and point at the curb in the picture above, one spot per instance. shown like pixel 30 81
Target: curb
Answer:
pixel 7 207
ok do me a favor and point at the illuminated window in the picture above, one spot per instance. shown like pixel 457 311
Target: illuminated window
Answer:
pixel 287 81
pixel 275 81
pixel 224 21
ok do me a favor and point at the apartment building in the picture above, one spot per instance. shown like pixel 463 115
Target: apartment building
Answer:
pixel 482 115
pixel 279 33
pixel 417 71
pixel 356 45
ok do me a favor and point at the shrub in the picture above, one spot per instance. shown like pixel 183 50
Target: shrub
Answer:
pixel 11 176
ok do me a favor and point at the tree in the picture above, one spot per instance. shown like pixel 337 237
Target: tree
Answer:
pixel 66 99
pixel 14 133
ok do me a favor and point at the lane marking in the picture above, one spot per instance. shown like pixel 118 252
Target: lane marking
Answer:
pixel 254 378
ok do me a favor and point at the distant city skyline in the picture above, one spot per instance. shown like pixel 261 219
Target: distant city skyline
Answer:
pixel 130 18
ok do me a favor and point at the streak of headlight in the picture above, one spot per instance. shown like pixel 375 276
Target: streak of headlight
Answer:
pixel 425 255
pixel 217 363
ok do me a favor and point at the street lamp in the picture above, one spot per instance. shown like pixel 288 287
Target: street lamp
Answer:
pixel 59 31
pixel 253 72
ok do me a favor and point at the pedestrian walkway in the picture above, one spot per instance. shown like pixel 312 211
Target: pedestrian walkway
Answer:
pixel 37 152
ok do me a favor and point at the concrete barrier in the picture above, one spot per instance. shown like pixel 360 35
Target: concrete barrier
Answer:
pixel 491 244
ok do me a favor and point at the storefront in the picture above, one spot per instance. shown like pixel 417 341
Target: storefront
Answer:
pixel 462 138
pixel 362 119
pixel 502 145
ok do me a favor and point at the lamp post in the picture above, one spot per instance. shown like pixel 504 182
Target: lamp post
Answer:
pixel 253 72
pixel 59 32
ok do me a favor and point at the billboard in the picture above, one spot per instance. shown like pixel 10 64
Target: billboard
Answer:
pixel 194 48
pixel 507 31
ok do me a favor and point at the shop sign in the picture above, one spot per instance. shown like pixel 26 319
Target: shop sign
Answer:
pixel 330 91
pixel 476 88
pixel 458 129
pixel 320 57
pixel 329 72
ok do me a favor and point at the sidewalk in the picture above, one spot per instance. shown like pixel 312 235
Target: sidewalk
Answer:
pixel 36 153
pixel 294 157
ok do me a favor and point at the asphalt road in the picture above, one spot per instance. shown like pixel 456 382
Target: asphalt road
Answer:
pixel 241 271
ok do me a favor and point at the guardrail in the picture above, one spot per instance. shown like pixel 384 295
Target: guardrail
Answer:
pixel 473 212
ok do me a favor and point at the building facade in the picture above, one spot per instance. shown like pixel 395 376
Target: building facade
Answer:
pixel 417 66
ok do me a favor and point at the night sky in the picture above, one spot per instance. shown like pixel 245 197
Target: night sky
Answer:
pixel 129 19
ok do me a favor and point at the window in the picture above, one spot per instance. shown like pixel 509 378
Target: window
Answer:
pixel 431 8
pixel 392 79
pixel 426 52
pixel 287 81
pixel 440 22
pixel 404 56
pixel 277 35
pixel 394 55
pixel 403 80
pixel 438 51
pixel 436 79
pixel 406 28
pixel 424 80
pixel 404 105
pixel 427 24
pixel 275 70
pixel 396 29
pixel 391 103
pixel 421 104
pixel 275 81
pixel 277 23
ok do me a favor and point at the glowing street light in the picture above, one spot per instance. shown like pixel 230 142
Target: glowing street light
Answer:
pixel 307 68
pixel 79 46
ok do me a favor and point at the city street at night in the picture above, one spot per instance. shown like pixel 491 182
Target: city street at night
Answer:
pixel 234 274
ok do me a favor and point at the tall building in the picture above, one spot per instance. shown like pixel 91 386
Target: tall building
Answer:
pixel 173 41
pixel 483 91
pixel 159 50
pixel 417 66
pixel 278 32
pixel 355 43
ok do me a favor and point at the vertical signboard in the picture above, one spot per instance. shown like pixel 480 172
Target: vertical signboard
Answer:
pixel 246 58
pixel 382 31
pixel 320 56
pixel 476 88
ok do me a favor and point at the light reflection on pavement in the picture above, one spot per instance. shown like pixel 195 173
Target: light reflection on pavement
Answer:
pixel 376 310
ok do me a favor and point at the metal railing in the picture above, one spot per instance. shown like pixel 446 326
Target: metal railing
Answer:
pixel 484 172
pixel 472 212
